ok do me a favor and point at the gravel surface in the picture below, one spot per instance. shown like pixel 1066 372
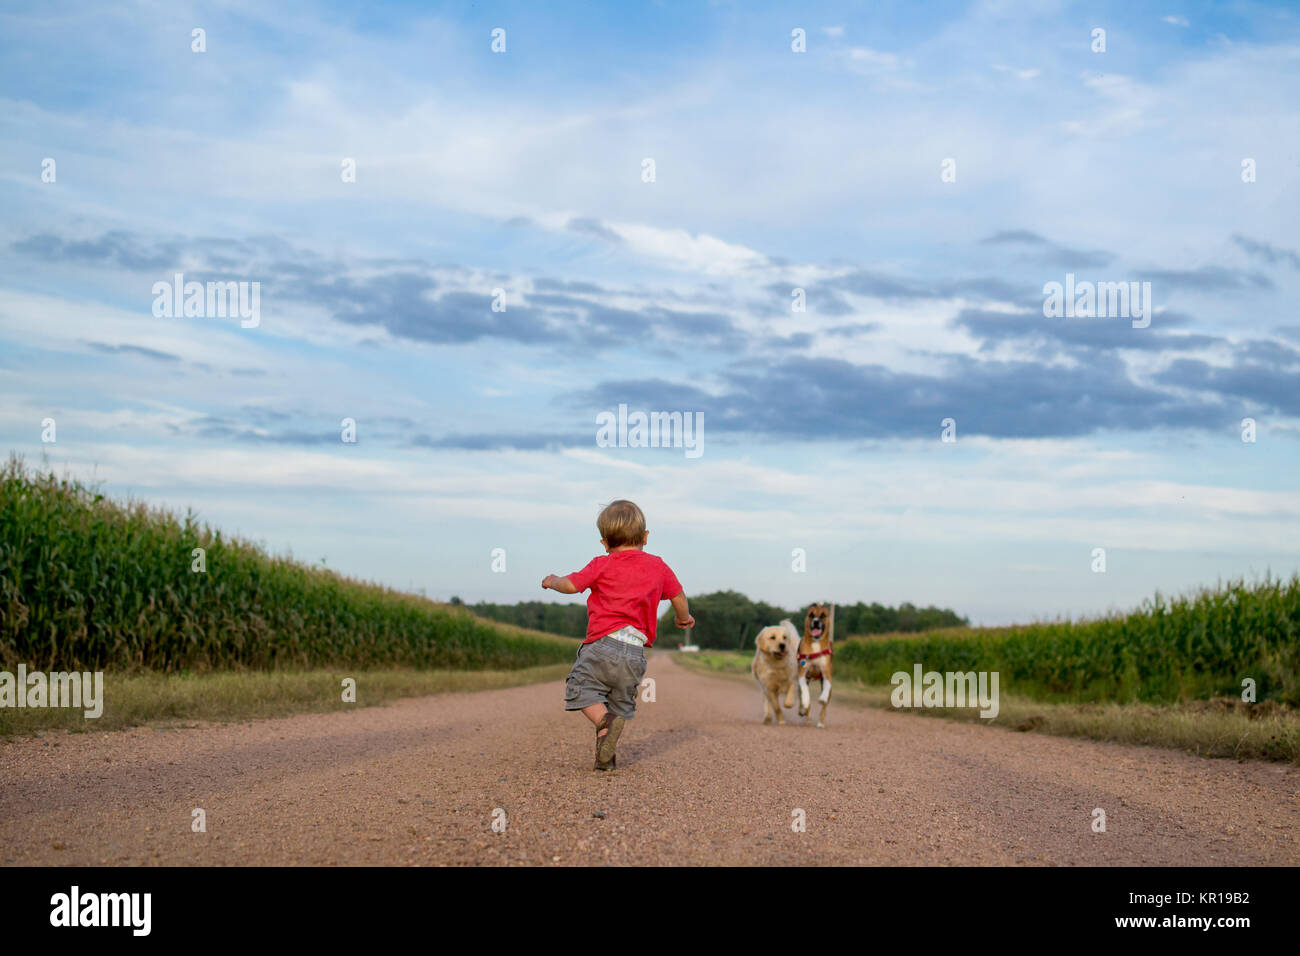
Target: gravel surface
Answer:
pixel 700 781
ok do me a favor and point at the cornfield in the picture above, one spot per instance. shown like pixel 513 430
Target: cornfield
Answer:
pixel 1169 650
pixel 88 584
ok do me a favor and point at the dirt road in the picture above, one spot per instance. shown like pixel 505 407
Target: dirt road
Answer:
pixel 700 781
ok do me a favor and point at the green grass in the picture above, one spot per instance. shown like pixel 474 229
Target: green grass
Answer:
pixel 143 698
pixel 90 584
pixel 1223 727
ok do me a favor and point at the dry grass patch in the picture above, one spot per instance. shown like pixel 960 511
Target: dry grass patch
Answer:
pixel 143 698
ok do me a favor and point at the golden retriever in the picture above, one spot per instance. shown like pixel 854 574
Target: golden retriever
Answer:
pixel 775 669
pixel 815 659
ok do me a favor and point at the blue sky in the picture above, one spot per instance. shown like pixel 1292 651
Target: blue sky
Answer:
pixel 774 170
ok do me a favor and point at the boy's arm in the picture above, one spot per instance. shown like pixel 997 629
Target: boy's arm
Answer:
pixel 683 611
pixel 557 583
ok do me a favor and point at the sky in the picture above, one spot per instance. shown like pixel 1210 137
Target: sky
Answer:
pixel 473 254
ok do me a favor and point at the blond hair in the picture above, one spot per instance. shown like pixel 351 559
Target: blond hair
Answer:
pixel 621 522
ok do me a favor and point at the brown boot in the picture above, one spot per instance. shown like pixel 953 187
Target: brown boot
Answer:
pixel 613 726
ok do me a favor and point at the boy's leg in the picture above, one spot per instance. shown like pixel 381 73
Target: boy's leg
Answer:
pixel 594 713
pixel 603 685
pixel 624 666
pixel 605 720
pixel 587 690
pixel 583 690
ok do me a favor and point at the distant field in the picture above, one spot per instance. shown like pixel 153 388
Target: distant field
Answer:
pixel 1175 650
pixel 87 583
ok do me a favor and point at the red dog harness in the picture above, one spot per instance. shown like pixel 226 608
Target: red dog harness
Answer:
pixel 808 657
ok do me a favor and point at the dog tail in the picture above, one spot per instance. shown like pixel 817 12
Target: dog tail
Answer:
pixel 790 630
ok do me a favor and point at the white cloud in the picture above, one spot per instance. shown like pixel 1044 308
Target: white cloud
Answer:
pixel 866 60
pixel 1025 74
pixel 700 252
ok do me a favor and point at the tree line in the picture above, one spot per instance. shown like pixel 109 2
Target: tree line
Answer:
pixel 728 619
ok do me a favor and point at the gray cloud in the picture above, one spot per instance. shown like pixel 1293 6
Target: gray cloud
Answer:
pixel 819 300
pixel 1270 385
pixel 854 329
pixel 407 300
pixel 831 399
pixel 216 428
pixel 1051 253
pixel 817 398
pixel 1273 255
pixel 799 340
pixel 593 227
pixel 525 441
pixel 134 350
pixel 114 248
pixel 880 286
pixel 120 249
pixel 268 425
pixel 560 285
pixel 1015 236
pixel 1207 279
pixel 1105 334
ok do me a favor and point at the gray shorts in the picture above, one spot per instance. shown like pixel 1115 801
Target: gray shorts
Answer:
pixel 606 671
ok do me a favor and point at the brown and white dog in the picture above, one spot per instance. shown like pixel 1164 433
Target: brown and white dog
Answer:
pixel 775 668
pixel 815 658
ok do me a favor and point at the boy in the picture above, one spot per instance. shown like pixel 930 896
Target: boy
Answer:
pixel 626 587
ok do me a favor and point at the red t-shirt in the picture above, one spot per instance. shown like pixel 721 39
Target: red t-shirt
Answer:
pixel 626 588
